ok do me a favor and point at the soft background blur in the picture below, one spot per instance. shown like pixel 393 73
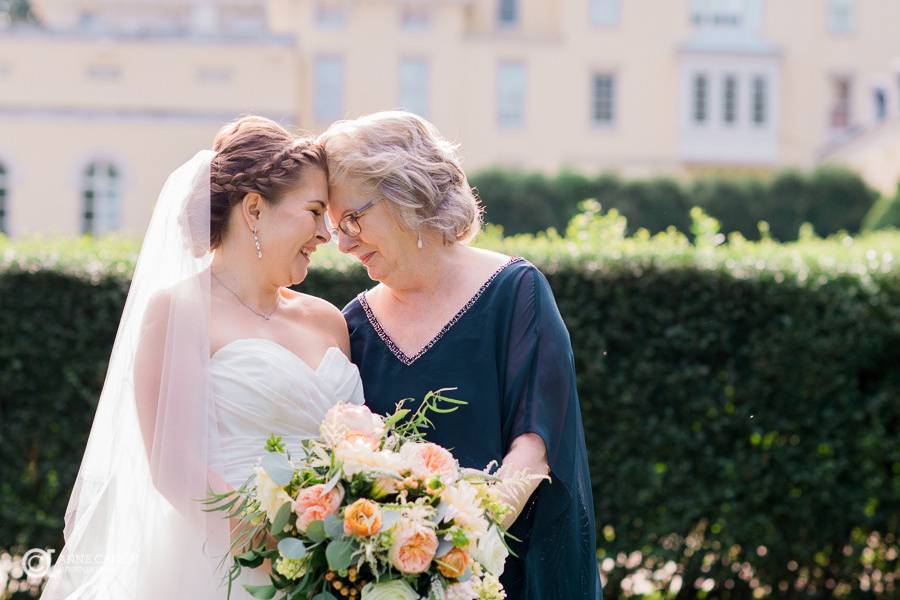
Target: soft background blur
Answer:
pixel 710 185
pixel 101 99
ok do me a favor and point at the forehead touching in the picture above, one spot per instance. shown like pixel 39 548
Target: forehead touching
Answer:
pixel 312 188
pixel 347 196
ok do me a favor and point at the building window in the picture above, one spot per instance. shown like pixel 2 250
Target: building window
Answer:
pixel 760 100
pixel 414 85
pixel 701 100
pixel 841 16
pixel 330 14
pixel 4 209
pixel 605 13
pixel 415 17
pixel 511 95
pixel 328 73
pixel 603 106
pixel 840 108
pixel 507 13
pixel 729 100
pixel 100 199
pixel 728 14
pixel 881 107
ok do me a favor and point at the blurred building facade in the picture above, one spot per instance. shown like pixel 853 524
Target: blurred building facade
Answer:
pixel 103 100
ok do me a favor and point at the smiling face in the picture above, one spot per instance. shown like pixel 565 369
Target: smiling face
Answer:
pixel 292 228
pixel 382 245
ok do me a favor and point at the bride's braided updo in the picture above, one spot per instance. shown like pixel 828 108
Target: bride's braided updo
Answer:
pixel 255 154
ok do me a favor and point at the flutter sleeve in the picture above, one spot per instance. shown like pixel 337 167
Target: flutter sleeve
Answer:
pixel 541 398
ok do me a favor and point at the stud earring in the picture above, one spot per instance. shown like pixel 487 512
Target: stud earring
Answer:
pixel 256 242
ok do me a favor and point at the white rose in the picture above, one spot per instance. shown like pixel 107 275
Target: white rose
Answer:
pixel 356 456
pixel 389 590
pixel 464 508
pixel 464 590
pixel 351 422
pixel 491 552
pixel 269 494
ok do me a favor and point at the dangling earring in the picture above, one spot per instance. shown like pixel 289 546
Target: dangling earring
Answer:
pixel 256 241
pixel 419 243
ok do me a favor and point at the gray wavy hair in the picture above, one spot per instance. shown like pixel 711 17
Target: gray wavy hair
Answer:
pixel 404 158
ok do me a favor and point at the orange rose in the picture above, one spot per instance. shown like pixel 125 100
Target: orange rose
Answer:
pixel 362 518
pixel 454 563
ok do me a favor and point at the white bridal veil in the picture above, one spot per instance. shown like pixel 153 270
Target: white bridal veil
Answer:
pixel 134 528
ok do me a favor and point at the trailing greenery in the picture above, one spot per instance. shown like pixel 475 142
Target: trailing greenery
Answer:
pixel 831 199
pixel 741 398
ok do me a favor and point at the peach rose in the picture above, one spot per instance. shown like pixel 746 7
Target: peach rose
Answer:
pixel 413 547
pixel 314 504
pixel 362 518
pixel 454 563
pixel 351 422
pixel 426 460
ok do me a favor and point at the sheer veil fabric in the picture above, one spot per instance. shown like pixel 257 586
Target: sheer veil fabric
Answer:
pixel 133 527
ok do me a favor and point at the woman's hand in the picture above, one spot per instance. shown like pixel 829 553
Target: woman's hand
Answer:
pixel 527 454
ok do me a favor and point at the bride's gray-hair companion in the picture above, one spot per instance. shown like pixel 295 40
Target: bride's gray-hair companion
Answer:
pixel 404 158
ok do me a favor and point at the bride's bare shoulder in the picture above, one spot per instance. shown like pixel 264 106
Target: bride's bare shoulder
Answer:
pixel 317 312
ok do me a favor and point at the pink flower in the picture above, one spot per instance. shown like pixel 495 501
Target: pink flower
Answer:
pixel 351 422
pixel 413 548
pixel 426 460
pixel 314 504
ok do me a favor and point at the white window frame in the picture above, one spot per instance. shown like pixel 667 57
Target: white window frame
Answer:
pixel 731 85
pixel 605 13
pixel 607 106
pixel 842 16
pixel 509 14
pixel 414 79
pixel 330 14
pixel 512 92
pixel 759 100
pixel 700 99
pixel 101 198
pixel 328 96
pixel 415 17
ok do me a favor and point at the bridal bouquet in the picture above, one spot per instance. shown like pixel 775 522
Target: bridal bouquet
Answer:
pixel 369 510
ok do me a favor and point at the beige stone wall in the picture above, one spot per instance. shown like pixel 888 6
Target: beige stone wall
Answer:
pixel 145 105
pixel 144 84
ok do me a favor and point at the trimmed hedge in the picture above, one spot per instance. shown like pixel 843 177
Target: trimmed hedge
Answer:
pixel 831 199
pixel 741 400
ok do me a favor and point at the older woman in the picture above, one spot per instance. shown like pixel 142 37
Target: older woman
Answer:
pixel 445 314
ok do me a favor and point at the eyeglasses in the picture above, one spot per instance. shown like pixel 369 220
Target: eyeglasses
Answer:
pixel 349 223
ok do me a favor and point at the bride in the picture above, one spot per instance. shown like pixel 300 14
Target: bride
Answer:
pixel 213 354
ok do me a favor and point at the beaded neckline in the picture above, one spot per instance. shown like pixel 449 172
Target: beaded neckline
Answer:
pixel 395 349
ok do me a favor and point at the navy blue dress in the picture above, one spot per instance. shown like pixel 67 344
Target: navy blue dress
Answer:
pixel 508 354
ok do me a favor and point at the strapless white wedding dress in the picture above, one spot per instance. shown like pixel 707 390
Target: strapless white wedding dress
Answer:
pixel 259 388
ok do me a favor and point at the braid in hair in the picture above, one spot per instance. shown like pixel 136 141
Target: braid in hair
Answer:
pixel 255 155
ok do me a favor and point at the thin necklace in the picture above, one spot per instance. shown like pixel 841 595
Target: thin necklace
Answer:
pixel 265 316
